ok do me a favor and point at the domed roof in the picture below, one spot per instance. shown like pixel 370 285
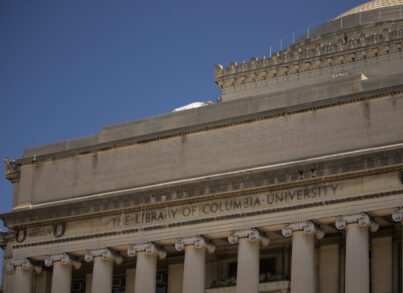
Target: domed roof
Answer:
pixel 371 5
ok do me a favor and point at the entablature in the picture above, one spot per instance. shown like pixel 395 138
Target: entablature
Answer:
pixel 305 173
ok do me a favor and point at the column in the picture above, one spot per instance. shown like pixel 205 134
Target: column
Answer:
pixel 398 217
pixel 62 271
pixel 146 266
pixel 357 251
pixel 303 275
pixel 23 275
pixel 102 273
pixel 249 241
pixel 195 262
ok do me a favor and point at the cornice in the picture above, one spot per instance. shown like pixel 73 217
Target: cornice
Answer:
pixel 253 182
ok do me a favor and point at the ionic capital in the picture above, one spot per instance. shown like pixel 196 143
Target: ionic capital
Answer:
pixel 105 254
pixel 307 227
pixel 148 248
pixel 362 219
pixel 251 234
pixel 25 264
pixel 397 215
pixel 196 241
pixel 64 260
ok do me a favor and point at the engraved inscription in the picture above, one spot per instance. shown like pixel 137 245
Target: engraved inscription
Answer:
pixel 226 206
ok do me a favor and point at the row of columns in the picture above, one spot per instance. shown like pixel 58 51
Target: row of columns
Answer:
pixel 303 277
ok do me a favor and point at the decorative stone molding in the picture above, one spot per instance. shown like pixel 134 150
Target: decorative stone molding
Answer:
pixel 25 264
pixel 308 227
pixel 105 254
pixel 147 248
pixel 361 219
pixel 318 54
pixel 64 259
pixel 252 234
pixel 397 215
pixel 12 170
pixel 196 241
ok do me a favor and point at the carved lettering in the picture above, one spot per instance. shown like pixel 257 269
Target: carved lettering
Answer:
pixel 226 206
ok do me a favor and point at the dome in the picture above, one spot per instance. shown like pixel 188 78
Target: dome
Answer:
pixel 371 5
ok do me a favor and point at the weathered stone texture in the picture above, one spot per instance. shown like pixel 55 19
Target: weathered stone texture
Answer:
pixel 247 145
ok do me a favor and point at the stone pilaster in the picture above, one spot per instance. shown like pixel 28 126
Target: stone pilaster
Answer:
pixel 102 273
pixel 357 228
pixel 195 262
pixel 62 272
pixel 23 275
pixel 249 241
pixel 303 273
pixel 146 266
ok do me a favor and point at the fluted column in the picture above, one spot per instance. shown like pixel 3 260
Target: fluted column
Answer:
pixel 303 274
pixel 24 271
pixel 357 250
pixel 102 273
pixel 194 276
pixel 249 241
pixel 146 266
pixel 62 271
pixel 398 217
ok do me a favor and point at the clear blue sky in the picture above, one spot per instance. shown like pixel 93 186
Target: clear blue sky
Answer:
pixel 70 67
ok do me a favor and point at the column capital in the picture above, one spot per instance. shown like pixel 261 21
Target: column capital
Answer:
pixel 196 241
pixel 64 259
pixel 105 254
pixel 308 227
pixel 362 219
pixel 251 234
pixel 397 215
pixel 25 264
pixel 148 248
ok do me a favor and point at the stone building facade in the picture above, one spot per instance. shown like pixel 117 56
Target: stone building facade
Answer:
pixel 291 182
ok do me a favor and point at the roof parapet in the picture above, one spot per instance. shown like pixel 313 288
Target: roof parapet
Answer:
pixel 306 56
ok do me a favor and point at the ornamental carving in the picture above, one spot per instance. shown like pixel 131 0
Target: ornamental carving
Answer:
pixel 105 254
pixel 64 259
pixel 12 170
pixel 397 215
pixel 58 230
pixel 148 248
pixel 308 227
pixel 21 235
pixel 25 264
pixel 251 234
pixel 362 219
pixel 196 241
